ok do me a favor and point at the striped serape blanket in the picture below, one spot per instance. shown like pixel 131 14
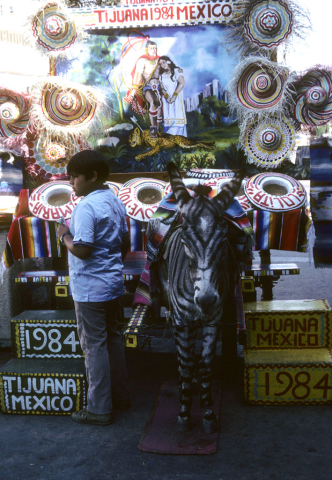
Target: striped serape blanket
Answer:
pixel 30 237
pixel 162 225
pixel 22 207
pixel 280 230
pixel 137 234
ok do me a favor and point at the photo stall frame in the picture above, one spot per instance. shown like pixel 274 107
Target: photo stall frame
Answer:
pixel 164 69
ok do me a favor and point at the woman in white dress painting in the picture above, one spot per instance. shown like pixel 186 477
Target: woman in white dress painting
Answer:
pixel 171 84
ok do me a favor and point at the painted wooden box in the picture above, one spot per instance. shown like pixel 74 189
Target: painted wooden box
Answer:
pixel 42 387
pixel 288 324
pixel 292 377
pixel 45 334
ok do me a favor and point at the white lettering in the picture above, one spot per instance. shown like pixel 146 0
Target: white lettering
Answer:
pixel 71 385
pixel 49 383
pixel 27 402
pixel 62 404
pixel 28 390
pixel 37 337
pixel 41 385
pixel 60 386
pixel 53 403
pixel 9 381
pixel 39 402
pixel 16 400
pixel 70 340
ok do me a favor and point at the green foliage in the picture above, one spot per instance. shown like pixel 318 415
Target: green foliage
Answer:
pixel 186 163
pixel 117 158
pixel 299 172
pixel 195 123
pixel 321 130
pixel 231 157
pixel 177 160
pixel 100 67
pixel 213 110
pixel 202 160
pixel 97 65
pixel 115 151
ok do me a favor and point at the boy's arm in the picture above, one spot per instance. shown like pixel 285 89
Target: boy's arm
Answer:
pixel 81 251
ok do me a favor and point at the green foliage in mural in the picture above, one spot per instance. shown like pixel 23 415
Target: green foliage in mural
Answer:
pixel 195 123
pixel 100 67
pixel 213 110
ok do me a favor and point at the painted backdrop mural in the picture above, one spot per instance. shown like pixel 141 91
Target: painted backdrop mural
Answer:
pixel 157 81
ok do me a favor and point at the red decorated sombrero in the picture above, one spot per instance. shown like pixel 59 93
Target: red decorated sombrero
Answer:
pixel 141 197
pixel 275 192
pixel 115 187
pixel 53 200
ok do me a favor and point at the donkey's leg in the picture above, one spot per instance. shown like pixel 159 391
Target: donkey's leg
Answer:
pixel 185 345
pixel 210 335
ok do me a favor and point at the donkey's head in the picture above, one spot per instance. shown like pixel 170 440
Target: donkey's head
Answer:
pixel 204 237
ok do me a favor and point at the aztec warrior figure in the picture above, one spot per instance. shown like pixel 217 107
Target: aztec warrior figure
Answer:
pixel 157 84
pixel 198 273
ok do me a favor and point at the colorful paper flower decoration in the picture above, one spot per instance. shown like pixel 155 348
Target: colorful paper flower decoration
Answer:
pixel 268 143
pixel 313 101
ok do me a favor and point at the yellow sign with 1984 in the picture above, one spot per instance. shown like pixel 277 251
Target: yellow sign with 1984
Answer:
pixel 277 378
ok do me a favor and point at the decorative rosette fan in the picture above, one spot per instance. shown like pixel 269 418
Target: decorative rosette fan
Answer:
pixel 48 158
pixel 66 110
pixel 14 119
pixel 53 31
pixel 269 142
pixel 266 24
pixel 313 100
pixel 259 89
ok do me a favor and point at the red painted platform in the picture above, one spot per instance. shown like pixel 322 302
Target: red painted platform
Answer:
pixel 161 435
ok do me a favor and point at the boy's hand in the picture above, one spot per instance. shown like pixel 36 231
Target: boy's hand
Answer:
pixel 61 230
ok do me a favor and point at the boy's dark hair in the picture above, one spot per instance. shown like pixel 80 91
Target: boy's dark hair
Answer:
pixel 87 162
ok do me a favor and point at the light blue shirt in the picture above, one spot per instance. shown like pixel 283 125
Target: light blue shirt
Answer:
pixel 98 221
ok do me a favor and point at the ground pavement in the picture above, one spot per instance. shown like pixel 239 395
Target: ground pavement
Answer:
pixel 255 442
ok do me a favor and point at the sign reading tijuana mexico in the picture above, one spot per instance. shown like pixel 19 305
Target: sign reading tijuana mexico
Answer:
pixel 154 14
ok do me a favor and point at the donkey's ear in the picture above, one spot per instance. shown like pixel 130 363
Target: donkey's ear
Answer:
pixel 230 189
pixel 181 194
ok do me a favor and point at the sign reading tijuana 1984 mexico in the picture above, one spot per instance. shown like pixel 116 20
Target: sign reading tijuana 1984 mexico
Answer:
pixel 136 13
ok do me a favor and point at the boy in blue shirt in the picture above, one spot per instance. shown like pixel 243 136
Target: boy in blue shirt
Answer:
pixel 97 243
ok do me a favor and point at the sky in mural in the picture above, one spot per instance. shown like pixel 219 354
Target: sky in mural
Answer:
pixel 199 51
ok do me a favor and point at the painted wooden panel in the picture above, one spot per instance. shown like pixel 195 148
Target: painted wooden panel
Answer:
pixel 45 334
pixel 45 339
pixel 48 387
pixel 261 270
pixel 288 324
pixel 288 378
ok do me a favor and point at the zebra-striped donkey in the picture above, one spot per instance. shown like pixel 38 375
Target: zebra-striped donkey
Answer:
pixel 197 273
